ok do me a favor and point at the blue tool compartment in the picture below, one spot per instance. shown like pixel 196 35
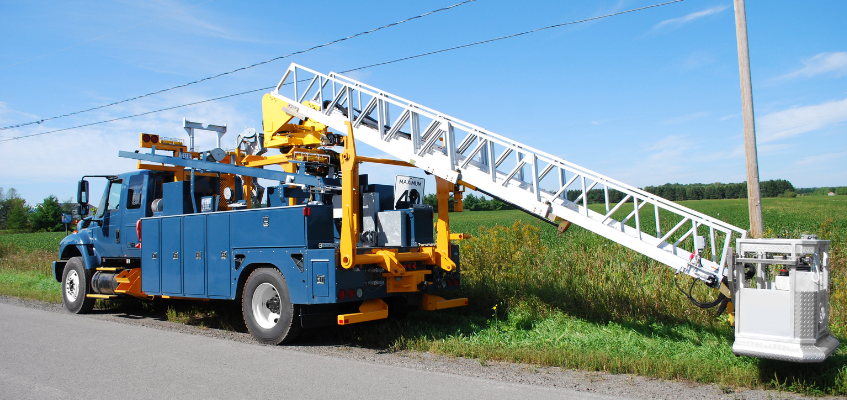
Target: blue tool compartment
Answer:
pixel 218 254
pixel 171 257
pixel 203 255
pixel 268 227
pixel 194 261
pixel 151 270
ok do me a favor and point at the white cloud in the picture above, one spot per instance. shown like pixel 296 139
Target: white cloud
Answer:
pixel 10 116
pixel 794 121
pixel 675 23
pixel 670 143
pixel 820 158
pixel 822 63
pixel 201 21
pixel 666 160
pixel 772 148
pixel 728 154
pixel 65 156
pixel 697 59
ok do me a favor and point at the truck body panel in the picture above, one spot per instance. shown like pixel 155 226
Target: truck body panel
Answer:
pixel 205 255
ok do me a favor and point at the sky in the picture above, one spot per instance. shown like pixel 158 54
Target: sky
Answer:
pixel 648 97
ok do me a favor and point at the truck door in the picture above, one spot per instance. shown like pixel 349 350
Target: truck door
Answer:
pixel 109 215
pixel 134 209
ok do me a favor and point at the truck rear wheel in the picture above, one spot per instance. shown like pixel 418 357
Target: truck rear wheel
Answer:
pixel 76 283
pixel 267 309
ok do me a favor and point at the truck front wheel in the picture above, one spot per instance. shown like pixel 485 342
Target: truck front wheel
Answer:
pixel 267 309
pixel 76 281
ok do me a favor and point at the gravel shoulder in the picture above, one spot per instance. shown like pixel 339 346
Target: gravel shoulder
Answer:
pixel 589 382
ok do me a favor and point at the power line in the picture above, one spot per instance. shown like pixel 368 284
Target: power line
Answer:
pixel 513 35
pixel 240 69
pixel 106 35
pixel 136 115
pixel 359 68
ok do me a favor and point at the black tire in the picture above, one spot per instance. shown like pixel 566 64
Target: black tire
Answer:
pixel 76 284
pixel 271 320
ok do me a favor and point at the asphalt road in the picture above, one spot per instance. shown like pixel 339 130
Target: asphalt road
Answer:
pixel 50 355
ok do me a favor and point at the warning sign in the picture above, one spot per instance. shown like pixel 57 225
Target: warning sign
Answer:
pixel 408 190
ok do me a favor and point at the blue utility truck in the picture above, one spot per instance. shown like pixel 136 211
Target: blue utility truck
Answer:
pixel 323 247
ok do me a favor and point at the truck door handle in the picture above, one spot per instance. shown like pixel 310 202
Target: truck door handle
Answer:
pixel 117 236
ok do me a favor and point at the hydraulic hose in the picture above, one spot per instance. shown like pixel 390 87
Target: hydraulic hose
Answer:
pixel 721 300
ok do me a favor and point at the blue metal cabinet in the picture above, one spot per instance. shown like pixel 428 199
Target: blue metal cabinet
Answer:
pixel 218 255
pixel 172 256
pixel 150 257
pixel 268 227
pixel 194 259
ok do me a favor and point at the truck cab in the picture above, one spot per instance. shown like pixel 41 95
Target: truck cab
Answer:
pixel 110 235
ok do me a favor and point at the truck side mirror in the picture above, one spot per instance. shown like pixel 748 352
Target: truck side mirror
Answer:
pixel 82 210
pixel 82 193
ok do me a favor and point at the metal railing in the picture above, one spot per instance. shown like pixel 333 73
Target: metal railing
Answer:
pixel 529 178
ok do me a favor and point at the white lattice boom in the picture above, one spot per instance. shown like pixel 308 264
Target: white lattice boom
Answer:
pixel 511 171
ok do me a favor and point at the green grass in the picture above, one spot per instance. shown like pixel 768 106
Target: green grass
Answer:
pixel 30 286
pixel 27 273
pixel 574 300
pixel 581 301
pixel 48 241
pixel 25 265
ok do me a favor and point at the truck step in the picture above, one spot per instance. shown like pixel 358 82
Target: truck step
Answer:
pixel 101 296
pixel 129 282
pixel 370 310
pixel 432 303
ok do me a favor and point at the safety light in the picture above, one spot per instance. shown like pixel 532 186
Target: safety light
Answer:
pixel 307 211
pixel 350 293
pixel 341 294
pixel 145 138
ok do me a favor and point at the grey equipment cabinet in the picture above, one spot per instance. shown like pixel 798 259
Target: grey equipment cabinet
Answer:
pixel 777 316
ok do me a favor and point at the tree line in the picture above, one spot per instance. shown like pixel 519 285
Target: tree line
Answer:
pixel 700 191
pixel 16 215
pixel 470 203
pixel 670 191
pixel 823 191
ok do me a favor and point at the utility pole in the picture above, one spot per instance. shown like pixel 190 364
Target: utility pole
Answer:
pixel 754 195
